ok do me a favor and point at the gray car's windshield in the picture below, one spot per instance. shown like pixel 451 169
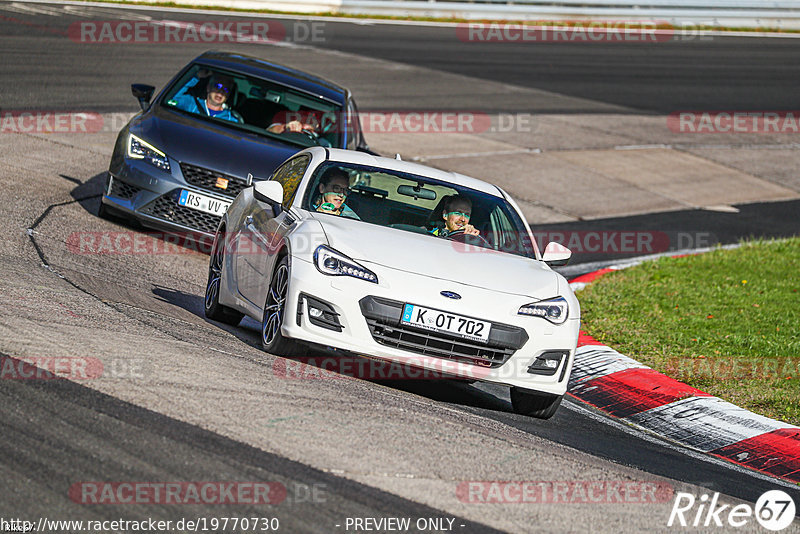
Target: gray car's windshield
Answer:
pixel 418 204
pixel 256 105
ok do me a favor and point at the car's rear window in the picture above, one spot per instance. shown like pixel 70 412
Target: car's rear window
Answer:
pixel 258 106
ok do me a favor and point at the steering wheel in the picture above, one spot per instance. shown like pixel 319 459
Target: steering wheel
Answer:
pixel 314 136
pixel 463 237
pixel 311 134
pixel 302 135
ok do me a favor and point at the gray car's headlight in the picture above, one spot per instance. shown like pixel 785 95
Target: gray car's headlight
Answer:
pixel 333 263
pixel 554 310
pixel 140 149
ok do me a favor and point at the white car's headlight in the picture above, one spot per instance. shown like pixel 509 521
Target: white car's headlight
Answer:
pixel 333 263
pixel 139 149
pixel 554 310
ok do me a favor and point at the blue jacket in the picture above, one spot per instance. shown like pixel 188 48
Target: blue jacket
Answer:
pixel 193 104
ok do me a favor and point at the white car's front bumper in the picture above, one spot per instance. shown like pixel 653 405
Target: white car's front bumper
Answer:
pixel 350 298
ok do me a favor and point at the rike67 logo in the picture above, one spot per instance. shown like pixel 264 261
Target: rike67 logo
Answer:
pixel 774 510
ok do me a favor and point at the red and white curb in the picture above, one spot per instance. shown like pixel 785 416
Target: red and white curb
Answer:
pixel 636 394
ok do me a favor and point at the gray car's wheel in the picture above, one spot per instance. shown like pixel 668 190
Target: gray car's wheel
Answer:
pixel 272 339
pixel 214 310
pixel 534 404
pixel 104 212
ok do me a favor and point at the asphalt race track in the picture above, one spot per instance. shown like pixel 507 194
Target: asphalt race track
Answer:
pixel 185 399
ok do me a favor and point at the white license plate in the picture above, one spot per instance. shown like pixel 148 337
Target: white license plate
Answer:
pixel 441 321
pixel 203 203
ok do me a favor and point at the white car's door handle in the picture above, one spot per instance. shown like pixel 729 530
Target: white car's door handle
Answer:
pixel 248 223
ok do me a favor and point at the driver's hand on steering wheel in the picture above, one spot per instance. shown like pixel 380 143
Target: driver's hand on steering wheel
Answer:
pixel 297 126
pixel 470 230
pixel 291 126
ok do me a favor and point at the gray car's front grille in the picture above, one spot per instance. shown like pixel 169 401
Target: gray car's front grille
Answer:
pixel 165 207
pixel 122 190
pixel 207 179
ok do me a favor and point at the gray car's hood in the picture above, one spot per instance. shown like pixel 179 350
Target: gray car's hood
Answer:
pixel 439 258
pixel 210 145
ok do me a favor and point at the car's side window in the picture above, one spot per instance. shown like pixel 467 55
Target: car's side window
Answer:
pixel 289 176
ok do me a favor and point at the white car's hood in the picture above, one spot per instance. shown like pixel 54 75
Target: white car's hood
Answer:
pixel 439 258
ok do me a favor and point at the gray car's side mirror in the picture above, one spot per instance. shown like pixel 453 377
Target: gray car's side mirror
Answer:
pixel 268 192
pixel 143 94
pixel 556 254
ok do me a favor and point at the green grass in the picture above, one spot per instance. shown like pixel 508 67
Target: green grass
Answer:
pixel 725 322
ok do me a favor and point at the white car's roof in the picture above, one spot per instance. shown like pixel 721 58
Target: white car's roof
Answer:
pixel 362 158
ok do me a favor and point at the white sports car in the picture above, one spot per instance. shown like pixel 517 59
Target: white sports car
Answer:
pixel 397 261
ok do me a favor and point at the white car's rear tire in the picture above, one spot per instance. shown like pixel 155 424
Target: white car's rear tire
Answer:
pixel 534 404
pixel 213 309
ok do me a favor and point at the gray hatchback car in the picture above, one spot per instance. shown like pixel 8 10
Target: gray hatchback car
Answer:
pixel 223 121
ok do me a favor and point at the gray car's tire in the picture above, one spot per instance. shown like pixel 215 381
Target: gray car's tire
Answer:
pixel 213 309
pixel 104 212
pixel 534 404
pixel 272 339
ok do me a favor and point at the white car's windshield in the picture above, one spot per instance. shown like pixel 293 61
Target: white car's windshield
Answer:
pixel 417 204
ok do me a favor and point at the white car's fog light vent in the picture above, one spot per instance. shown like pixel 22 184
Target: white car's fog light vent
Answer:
pixel 547 363
pixel 320 313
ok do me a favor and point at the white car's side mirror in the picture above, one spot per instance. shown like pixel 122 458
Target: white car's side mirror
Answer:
pixel 556 254
pixel 269 192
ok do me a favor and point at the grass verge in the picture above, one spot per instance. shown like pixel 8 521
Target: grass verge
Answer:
pixel 725 322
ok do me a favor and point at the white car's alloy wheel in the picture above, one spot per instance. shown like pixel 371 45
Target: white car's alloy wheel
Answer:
pixel 274 310
pixel 214 276
pixel 213 309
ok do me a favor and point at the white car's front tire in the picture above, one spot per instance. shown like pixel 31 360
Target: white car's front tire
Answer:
pixel 272 339
pixel 534 404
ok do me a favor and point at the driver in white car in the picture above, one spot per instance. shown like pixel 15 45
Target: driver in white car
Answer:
pixel 334 186
pixel 456 214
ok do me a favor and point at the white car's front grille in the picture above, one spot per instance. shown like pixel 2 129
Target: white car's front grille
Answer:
pixel 383 319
